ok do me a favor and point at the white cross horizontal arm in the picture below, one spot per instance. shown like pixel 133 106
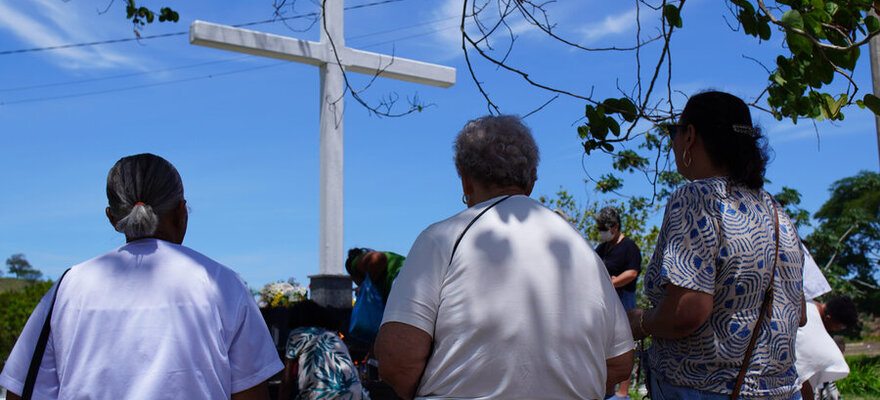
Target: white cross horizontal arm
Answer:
pixel 314 53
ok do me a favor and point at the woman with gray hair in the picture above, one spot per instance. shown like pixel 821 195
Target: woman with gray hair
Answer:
pixel 149 320
pixel 504 299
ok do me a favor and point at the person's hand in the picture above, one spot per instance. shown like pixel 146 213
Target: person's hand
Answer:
pixel 636 324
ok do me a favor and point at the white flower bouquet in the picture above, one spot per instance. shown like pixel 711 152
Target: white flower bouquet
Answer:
pixel 280 294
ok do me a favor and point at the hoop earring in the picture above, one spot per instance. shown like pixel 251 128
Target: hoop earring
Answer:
pixel 687 160
pixel 464 198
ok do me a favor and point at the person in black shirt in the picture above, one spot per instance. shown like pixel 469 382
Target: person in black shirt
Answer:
pixel 623 260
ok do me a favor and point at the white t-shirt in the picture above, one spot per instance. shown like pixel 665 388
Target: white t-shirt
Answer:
pixel 149 320
pixel 525 310
pixel 815 283
pixel 819 360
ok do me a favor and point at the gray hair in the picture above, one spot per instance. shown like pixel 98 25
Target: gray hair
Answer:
pixel 140 190
pixel 497 150
pixel 608 217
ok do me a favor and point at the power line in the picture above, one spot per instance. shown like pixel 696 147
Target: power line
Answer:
pixel 66 83
pixel 68 96
pixel 431 32
pixel 419 25
pixel 75 95
pixel 164 35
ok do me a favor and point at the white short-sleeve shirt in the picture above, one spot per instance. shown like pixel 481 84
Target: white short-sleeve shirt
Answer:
pixel 526 308
pixel 819 360
pixel 149 320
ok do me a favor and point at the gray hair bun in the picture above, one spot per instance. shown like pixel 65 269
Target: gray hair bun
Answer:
pixel 141 189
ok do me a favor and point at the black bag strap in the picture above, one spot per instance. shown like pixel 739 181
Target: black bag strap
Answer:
pixel 461 235
pixel 37 359
pixel 766 306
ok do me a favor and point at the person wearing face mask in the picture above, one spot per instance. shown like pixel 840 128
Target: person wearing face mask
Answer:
pixel 725 282
pixel 621 256
pixel 623 260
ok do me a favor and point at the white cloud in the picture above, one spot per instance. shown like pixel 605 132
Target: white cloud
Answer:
pixel 450 39
pixel 48 23
pixel 611 25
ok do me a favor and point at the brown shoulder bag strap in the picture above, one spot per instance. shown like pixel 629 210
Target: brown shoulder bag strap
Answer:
pixel 766 306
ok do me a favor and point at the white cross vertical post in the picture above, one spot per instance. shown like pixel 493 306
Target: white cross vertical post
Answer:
pixel 321 54
pixel 330 255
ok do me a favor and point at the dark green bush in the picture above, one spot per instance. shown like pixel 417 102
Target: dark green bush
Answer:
pixel 15 308
pixel 864 377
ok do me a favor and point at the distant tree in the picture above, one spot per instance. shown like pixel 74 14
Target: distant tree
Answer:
pixel 21 268
pixel 790 199
pixel 846 242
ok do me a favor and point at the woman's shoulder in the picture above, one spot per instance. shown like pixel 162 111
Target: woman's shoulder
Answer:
pixel 703 187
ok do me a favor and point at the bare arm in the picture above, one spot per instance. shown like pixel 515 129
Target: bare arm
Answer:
pixel 624 278
pixel 803 320
pixel 259 392
pixel 402 351
pixel 374 263
pixel 807 391
pixel 289 379
pixel 680 313
pixel 619 369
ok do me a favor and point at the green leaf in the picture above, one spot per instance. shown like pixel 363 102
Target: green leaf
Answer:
pixel 764 30
pixel 831 7
pixel 793 19
pixel 798 44
pixel 673 15
pixel 613 126
pixel 872 23
pixel 872 102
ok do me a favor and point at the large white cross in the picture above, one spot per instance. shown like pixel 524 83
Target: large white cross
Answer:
pixel 321 54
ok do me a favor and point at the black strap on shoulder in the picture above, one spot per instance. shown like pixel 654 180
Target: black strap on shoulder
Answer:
pixel 37 359
pixel 457 241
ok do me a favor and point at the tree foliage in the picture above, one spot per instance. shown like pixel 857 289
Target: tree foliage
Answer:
pixel 822 43
pixel 790 200
pixel 21 268
pixel 140 15
pixel 846 242
pixel 15 308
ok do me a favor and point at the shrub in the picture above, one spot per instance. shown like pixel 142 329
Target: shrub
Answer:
pixel 15 308
pixel 864 377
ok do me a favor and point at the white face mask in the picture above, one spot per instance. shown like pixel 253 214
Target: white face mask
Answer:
pixel 605 236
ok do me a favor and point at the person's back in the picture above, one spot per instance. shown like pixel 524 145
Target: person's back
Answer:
pixel 149 320
pixel 722 239
pixel 526 309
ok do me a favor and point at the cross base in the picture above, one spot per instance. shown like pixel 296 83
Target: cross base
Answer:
pixel 331 290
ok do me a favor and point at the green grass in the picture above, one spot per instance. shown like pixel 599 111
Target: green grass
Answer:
pixel 7 284
pixel 863 379
pixel 863 382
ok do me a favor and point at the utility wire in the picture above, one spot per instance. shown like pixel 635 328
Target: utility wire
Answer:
pixel 163 35
pixel 183 80
pixel 40 99
pixel 68 96
pixel 76 82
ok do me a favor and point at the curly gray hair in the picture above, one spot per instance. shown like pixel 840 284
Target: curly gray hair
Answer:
pixel 497 150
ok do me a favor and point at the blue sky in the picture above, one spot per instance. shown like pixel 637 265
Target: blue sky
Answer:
pixel 243 130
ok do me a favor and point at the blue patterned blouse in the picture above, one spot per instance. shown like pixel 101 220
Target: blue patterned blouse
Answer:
pixel 325 368
pixel 719 239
